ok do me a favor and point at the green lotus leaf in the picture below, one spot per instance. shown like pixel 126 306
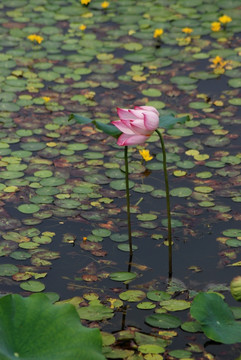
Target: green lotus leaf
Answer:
pixel 216 318
pixel 34 328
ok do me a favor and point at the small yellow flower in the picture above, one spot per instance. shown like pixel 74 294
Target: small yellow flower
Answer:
pixel 85 2
pixel 145 155
pixel 112 302
pixel 105 4
pixel 51 144
pixel 218 62
pixel 46 98
pixel 131 32
pixel 82 27
pixel 84 238
pixel 158 33
pixel 37 38
pixel 187 30
pixel 89 95
pixel 219 65
pixel 215 26
pixel 225 19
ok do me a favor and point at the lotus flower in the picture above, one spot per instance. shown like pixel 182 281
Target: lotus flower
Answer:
pixel 136 124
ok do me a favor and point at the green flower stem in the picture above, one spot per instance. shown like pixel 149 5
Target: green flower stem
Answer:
pixel 167 202
pixel 128 200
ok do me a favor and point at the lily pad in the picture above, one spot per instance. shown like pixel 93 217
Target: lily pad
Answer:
pixel 95 312
pixel 28 208
pixel 163 321
pixel 132 295
pixel 122 276
pixel 33 286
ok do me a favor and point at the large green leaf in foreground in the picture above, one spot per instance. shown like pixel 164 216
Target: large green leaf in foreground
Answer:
pixel 34 328
pixel 216 318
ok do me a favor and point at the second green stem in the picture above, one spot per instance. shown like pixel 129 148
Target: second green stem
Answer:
pixel 128 200
pixel 167 203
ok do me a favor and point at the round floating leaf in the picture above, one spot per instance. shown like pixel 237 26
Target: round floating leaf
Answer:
pixel 126 247
pixel 34 146
pixel 156 295
pixel 28 208
pixel 235 101
pixel 152 92
pixel 151 348
pixel 132 295
pixel 236 83
pixel 32 285
pixel 181 192
pixel 163 321
pixel 119 237
pixel 7 175
pixel 43 173
pixel 52 181
pixel 180 354
pixel 191 326
pixel 143 188
pixel 20 255
pixel 185 164
pixel 67 203
pixel 183 80
pixel 235 288
pixel 180 132
pixel 120 184
pixel 232 232
pixel 146 217
pixel 175 305
pixel 174 222
pixel 122 276
pixel 215 164
pixel 8 269
pixel 22 321
pixel 216 318
pixel 95 312
pixel 199 105
pixel 203 189
pixel 146 305
pixel 233 242
pixel 101 232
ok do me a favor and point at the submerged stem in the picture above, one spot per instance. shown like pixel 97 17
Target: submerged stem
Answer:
pixel 167 203
pixel 128 200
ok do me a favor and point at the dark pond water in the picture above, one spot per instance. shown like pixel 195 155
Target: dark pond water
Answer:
pixel 62 182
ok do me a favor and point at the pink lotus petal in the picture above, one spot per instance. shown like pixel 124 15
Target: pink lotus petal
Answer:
pixel 140 129
pixel 147 108
pixel 124 114
pixel 151 120
pixel 136 114
pixel 123 126
pixel 125 140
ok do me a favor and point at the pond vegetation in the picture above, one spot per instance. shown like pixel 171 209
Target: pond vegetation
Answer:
pixel 63 224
